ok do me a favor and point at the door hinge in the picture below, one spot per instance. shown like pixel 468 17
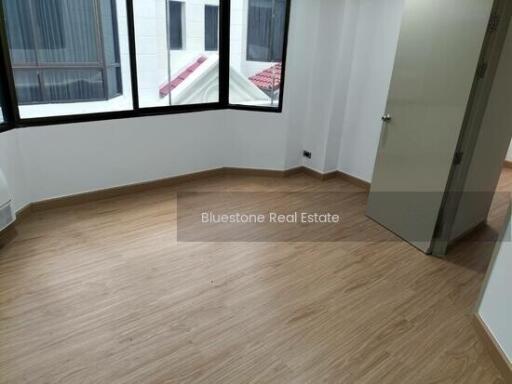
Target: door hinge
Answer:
pixel 482 70
pixel 457 159
pixel 494 22
pixel 438 230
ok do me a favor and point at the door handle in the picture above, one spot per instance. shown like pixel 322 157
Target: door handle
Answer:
pixel 386 118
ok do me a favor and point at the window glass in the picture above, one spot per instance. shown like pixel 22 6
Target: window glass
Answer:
pixel 211 26
pixel 173 64
pixel 74 84
pixel 175 35
pixel 265 30
pixel 257 48
pixel 50 27
pixel 109 31
pixel 28 88
pixel 69 56
pixel 20 31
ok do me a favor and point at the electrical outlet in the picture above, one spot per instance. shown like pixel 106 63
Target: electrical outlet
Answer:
pixel 307 154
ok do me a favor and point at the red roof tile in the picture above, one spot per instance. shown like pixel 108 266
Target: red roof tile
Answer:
pixel 168 87
pixel 269 79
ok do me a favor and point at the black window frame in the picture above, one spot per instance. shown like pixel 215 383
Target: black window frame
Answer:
pixel 10 105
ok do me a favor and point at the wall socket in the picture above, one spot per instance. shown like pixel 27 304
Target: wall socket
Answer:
pixel 307 154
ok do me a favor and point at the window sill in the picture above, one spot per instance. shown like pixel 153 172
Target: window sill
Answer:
pixel 143 112
pixel 116 104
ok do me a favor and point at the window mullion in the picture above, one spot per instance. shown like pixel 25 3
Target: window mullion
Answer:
pixel 287 15
pixel 8 91
pixel 100 47
pixel 37 45
pixel 224 51
pixel 133 54
pixel 270 56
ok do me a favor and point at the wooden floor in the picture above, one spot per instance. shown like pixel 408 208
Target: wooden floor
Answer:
pixel 103 293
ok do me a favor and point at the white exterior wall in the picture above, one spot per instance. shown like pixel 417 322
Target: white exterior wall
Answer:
pixel 238 33
pixel 151 43
pixel 194 34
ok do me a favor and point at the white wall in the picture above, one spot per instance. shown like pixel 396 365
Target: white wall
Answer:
pixel 68 159
pixel 351 66
pixel 509 154
pixel 299 73
pixel 194 33
pixel 495 309
pixel 12 165
pixel 257 140
pixel 64 160
pixel 321 86
pixel 373 59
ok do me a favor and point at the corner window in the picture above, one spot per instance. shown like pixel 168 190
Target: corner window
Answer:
pixel 257 51
pixel 78 60
pixel 211 27
pixel 62 52
pixel 175 25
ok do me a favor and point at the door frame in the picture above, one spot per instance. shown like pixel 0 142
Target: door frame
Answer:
pixel 475 112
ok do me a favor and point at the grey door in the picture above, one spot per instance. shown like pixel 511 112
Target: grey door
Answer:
pixel 437 58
